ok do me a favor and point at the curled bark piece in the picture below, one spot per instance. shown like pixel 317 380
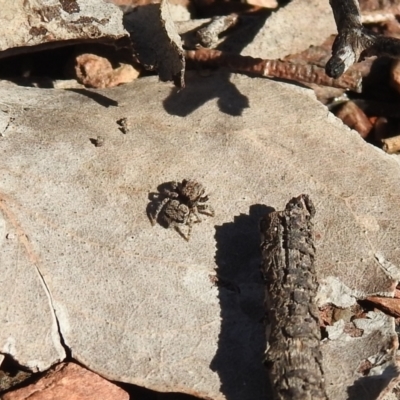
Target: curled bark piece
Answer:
pixel 275 69
pixel 156 42
pixel 293 359
pixel 353 42
pixel 391 145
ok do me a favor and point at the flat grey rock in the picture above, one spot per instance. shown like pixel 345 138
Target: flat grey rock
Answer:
pixel 292 29
pixel 26 23
pixel 29 331
pixel 136 303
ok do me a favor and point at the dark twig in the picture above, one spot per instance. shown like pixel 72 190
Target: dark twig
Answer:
pixel 354 42
pixel 299 72
pixel 293 358
pixel 208 35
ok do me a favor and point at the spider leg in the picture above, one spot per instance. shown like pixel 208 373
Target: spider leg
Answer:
pixel 175 185
pixel 174 192
pixel 153 218
pixel 194 216
pixel 206 210
pixel 189 232
pixel 171 194
pixel 203 199
pixel 177 227
pixel 189 223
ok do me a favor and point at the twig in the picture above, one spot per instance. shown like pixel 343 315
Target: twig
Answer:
pixel 208 35
pixel 354 42
pixel 355 118
pixel 391 145
pixel 294 358
pixel 275 69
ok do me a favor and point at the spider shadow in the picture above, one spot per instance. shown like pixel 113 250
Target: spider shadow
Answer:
pixel 155 200
pixel 241 344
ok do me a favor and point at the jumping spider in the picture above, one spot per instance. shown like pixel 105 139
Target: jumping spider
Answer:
pixel 181 205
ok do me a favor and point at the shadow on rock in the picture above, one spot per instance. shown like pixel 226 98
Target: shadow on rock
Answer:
pixel 97 97
pixel 241 345
pixel 371 387
pixel 199 90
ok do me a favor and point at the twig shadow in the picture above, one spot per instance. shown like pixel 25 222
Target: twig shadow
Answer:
pixel 97 97
pixel 241 344
pixel 199 89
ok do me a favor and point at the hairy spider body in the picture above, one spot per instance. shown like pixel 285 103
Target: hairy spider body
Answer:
pixel 181 206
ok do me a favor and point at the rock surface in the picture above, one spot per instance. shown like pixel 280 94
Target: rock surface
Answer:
pixel 136 303
pixel 26 23
pixel 288 30
pixel 66 382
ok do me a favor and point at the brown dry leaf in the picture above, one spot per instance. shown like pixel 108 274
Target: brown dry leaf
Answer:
pixel 97 72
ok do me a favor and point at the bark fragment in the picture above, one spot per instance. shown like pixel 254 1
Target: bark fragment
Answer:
pixel 293 359
pixel 156 42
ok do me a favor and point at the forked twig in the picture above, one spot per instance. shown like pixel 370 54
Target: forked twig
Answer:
pixel 275 68
pixel 354 42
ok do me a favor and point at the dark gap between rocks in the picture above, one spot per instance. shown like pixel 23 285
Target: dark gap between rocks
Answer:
pixel 140 393
pixel 42 67
pixel 13 375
